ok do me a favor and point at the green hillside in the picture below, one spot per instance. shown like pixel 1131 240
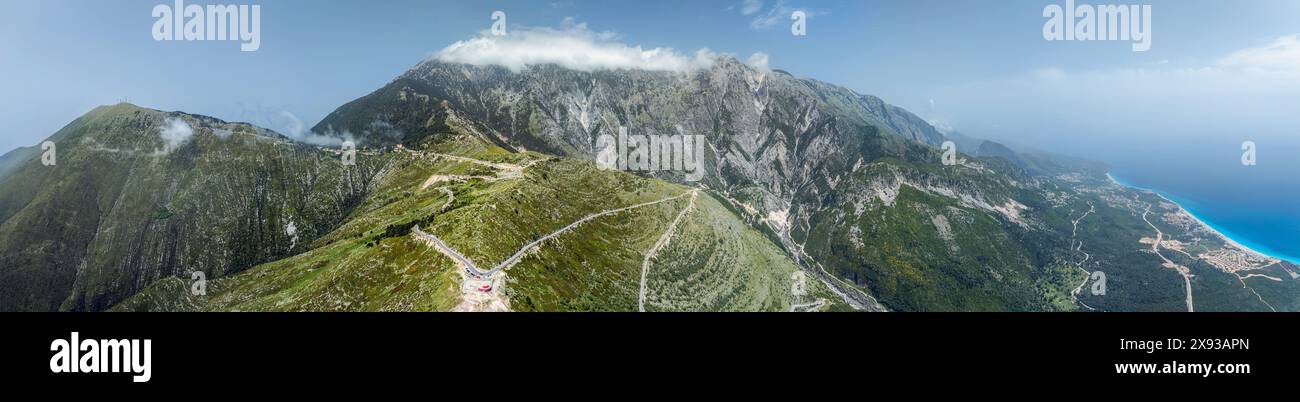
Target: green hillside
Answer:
pixel 123 208
pixel 373 262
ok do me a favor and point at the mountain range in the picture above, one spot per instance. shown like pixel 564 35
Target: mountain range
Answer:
pixel 476 188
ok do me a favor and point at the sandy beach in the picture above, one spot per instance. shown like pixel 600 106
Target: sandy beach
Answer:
pixel 1209 228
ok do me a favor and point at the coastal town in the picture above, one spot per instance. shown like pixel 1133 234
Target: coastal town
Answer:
pixel 1194 243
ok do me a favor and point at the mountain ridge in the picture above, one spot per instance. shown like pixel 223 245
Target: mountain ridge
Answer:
pixel 817 198
pixel 123 206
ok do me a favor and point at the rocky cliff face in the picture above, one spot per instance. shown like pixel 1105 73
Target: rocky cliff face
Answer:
pixel 764 128
pixel 777 146
pixel 851 187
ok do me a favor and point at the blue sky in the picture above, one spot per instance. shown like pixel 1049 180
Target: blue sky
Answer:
pixel 980 67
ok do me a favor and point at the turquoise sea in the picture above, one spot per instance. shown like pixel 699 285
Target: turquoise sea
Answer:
pixel 1255 206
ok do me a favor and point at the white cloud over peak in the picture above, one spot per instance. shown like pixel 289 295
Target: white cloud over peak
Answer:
pixel 571 46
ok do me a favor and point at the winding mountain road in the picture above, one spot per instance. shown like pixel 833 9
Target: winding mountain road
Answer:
pixel 445 249
pixel 1077 245
pixel 518 255
pixel 451 197
pixel 808 306
pixel 1184 271
pixel 514 259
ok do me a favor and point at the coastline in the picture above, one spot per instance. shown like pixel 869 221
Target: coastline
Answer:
pixel 1210 227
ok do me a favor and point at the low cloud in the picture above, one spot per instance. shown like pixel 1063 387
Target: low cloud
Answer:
pixel 175 132
pixel 572 46
pixel 282 121
pixel 294 125
pixel 291 126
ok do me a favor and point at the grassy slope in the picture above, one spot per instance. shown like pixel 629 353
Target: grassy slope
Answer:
pixel 593 267
pixel 707 266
